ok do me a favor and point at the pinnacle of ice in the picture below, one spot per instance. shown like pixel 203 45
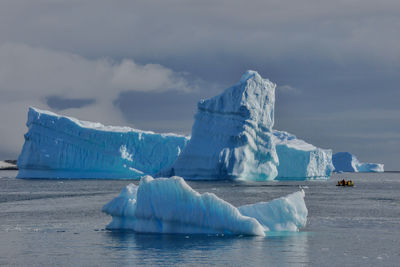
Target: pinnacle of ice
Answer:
pixel 231 135
pixel 249 74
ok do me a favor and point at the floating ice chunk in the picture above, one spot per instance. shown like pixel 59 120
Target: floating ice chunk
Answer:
pixel 170 205
pixel 299 159
pixel 63 147
pixel 347 162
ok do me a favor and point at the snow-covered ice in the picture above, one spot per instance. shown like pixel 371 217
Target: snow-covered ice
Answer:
pixel 299 159
pixel 231 135
pixel 170 205
pixel 347 162
pixel 63 147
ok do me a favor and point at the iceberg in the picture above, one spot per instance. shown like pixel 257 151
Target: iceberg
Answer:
pixel 170 205
pixel 232 138
pixel 232 134
pixel 347 162
pixel 299 159
pixel 63 147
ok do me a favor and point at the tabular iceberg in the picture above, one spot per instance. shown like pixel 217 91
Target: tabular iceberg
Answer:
pixel 231 135
pixel 347 162
pixel 299 159
pixel 170 205
pixel 62 147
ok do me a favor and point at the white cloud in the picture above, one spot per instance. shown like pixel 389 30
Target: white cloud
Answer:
pixel 28 75
pixel 287 89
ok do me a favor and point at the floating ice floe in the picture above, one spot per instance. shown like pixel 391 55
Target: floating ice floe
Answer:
pixel 170 205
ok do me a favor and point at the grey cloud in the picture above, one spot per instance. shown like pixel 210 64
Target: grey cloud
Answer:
pixel 342 55
pixel 287 89
pixel 80 87
pixel 59 103
pixel 170 111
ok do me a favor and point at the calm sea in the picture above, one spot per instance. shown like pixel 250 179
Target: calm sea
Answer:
pixel 60 223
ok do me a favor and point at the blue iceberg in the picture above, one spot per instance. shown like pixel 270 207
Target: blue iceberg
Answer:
pixel 170 205
pixel 299 159
pixel 232 138
pixel 232 134
pixel 62 147
pixel 347 162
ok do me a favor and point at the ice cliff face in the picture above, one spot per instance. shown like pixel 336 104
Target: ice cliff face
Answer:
pixel 347 162
pixel 298 159
pixel 231 135
pixel 62 147
pixel 171 206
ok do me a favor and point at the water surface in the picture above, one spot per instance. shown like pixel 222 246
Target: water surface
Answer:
pixel 60 223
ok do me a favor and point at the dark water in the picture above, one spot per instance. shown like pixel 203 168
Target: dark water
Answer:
pixel 59 223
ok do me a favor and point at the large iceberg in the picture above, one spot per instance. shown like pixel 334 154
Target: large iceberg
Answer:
pixel 299 159
pixel 170 205
pixel 62 147
pixel 232 134
pixel 232 138
pixel 347 162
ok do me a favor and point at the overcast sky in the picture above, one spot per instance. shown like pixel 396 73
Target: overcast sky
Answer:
pixel 145 64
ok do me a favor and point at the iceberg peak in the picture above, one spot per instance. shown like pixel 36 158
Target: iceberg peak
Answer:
pixel 250 74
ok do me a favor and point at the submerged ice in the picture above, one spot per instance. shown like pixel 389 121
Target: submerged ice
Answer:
pixel 347 162
pixel 170 205
pixel 62 147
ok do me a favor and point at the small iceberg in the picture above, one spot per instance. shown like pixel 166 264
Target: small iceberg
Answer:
pixel 347 162
pixel 170 205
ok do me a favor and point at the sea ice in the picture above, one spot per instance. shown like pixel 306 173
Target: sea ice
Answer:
pixel 170 205
pixel 63 147
pixel 347 162
pixel 299 159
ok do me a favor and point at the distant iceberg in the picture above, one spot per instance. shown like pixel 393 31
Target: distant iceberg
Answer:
pixel 170 205
pixel 63 147
pixel 299 159
pixel 347 162
pixel 232 134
